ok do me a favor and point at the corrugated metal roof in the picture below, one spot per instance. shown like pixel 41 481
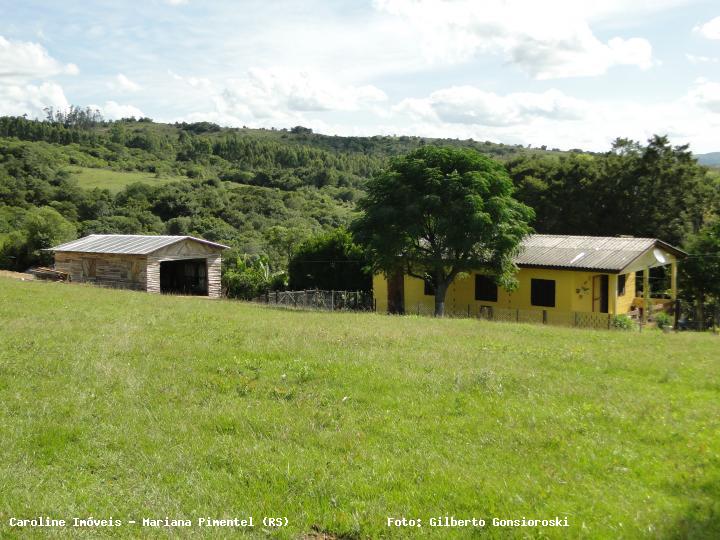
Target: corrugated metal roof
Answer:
pixel 586 252
pixel 129 244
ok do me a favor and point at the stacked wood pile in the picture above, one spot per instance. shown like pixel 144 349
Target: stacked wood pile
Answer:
pixel 50 274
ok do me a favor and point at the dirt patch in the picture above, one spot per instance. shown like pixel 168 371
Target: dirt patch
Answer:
pixel 16 275
pixel 318 534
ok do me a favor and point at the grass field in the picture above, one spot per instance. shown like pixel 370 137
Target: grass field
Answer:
pixel 129 405
pixel 116 180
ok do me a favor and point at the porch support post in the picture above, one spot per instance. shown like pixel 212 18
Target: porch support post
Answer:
pixel 646 293
pixel 612 294
pixel 673 280
pixel 673 292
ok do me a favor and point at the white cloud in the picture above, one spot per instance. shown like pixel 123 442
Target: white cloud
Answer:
pixel 112 110
pixel 122 84
pixel 176 2
pixel 555 119
pixel 25 61
pixel 284 95
pixel 699 59
pixel 705 94
pixel 709 30
pixel 471 105
pixel 198 83
pixel 23 68
pixel 545 40
pixel 31 99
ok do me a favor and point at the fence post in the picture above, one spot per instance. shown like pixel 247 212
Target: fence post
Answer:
pixel 677 315
pixel 332 300
pixel 575 323
pixel 418 309
pixel 517 315
pixel 544 316
pixel 468 311
pixel 609 321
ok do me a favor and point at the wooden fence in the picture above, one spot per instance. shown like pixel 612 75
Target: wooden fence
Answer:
pixel 320 300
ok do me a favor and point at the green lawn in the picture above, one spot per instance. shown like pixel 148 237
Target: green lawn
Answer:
pixel 129 405
pixel 116 180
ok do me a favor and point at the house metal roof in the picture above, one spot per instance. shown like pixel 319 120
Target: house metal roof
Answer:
pixel 608 253
pixel 128 244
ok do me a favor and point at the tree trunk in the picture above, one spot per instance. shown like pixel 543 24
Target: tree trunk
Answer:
pixel 440 291
pixel 396 297
pixel 700 312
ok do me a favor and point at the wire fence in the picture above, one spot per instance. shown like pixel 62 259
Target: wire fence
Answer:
pixel 577 319
pixel 689 317
pixel 660 316
pixel 697 316
pixel 320 300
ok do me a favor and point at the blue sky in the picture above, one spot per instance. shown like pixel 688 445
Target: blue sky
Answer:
pixel 567 74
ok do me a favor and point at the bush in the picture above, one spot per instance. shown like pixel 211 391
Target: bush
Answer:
pixel 41 228
pixel 248 277
pixel 622 322
pixel 662 320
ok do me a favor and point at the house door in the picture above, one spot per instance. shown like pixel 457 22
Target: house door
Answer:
pixel 396 294
pixel 600 294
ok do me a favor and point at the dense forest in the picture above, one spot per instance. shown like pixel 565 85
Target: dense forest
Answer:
pixel 272 193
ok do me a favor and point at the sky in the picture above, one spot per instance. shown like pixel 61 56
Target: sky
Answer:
pixel 562 73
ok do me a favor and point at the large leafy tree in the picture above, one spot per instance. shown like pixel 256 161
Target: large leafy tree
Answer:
pixel 700 272
pixel 438 212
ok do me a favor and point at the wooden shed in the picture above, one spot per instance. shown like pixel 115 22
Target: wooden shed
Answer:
pixel 158 264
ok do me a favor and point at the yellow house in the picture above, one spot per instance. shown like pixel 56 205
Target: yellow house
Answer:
pixel 558 276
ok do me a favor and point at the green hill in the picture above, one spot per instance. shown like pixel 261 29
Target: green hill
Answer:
pixel 131 405
pixel 711 159
pixel 141 177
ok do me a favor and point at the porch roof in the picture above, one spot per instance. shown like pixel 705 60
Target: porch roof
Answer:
pixel 610 254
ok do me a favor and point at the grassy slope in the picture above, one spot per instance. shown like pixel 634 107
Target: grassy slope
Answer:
pixel 130 405
pixel 115 181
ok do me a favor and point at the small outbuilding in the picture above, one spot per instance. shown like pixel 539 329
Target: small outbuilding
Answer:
pixel 158 264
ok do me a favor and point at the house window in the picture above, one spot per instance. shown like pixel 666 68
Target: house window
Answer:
pixel 429 285
pixel 485 289
pixel 622 278
pixel 542 292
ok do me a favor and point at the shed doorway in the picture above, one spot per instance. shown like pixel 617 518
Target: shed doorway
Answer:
pixel 188 276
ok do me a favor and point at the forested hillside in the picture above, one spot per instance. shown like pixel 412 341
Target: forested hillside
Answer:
pixel 265 191
pixel 261 191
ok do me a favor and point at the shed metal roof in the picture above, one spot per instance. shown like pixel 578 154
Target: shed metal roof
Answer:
pixel 609 253
pixel 128 244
